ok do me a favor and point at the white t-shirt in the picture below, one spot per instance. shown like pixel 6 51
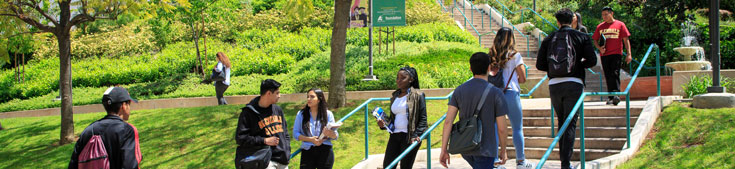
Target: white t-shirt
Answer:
pixel 508 69
pixel 399 108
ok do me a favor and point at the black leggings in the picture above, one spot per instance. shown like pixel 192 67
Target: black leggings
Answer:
pixel 220 89
pixel 397 143
pixel 321 157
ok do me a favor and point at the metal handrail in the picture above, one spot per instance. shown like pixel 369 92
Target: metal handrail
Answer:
pixel 579 106
pixel 479 37
pixel 521 10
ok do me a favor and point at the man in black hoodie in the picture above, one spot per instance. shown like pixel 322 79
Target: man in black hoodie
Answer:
pixel 564 55
pixel 262 135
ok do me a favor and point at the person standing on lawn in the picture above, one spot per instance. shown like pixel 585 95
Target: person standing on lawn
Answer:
pixel 119 137
pixel 309 126
pixel 261 134
pixel 616 36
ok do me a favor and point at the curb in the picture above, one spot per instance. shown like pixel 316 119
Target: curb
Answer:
pixel 638 134
pixel 207 101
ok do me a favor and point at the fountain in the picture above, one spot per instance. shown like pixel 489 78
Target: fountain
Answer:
pixel 693 55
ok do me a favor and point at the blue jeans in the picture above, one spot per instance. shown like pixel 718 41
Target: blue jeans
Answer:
pixel 515 114
pixel 479 162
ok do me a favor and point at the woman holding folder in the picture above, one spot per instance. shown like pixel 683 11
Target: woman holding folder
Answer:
pixel 407 118
pixel 310 128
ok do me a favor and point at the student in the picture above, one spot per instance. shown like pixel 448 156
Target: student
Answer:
pixel 566 83
pixel 408 116
pixel 119 137
pixel 616 36
pixel 505 57
pixel 577 23
pixel 261 129
pixel 309 126
pixel 465 100
pixel 223 66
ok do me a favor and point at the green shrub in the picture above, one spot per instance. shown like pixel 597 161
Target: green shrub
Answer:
pixel 418 12
pixel 698 85
pixel 43 75
pixel 127 40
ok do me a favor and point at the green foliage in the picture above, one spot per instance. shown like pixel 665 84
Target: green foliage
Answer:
pixel 279 20
pixel 685 137
pixel 42 75
pixel 698 85
pixel 440 64
pixel 127 40
pixel 418 12
pixel 263 5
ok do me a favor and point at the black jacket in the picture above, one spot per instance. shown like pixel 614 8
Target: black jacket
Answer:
pixel 416 104
pixel 253 128
pixel 583 46
pixel 120 139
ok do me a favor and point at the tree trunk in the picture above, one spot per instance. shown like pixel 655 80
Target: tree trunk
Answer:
pixel 337 57
pixel 67 115
pixel 24 67
pixel 204 37
pixel 196 44
pixel 15 66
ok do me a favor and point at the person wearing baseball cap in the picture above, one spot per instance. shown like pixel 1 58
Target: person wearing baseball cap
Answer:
pixel 119 137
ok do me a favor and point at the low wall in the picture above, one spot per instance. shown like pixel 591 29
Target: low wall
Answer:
pixel 208 101
pixel 682 77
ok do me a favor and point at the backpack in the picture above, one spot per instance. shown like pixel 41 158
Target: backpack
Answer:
pixel 94 155
pixel 562 57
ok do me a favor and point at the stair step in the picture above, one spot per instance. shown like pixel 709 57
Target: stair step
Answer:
pixel 590 154
pixel 590 143
pixel 592 132
pixel 609 111
pixel 588 121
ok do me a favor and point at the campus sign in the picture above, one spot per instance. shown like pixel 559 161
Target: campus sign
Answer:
pixel 388 13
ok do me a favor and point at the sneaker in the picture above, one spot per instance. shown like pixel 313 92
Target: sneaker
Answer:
pixel 616 100
pixel 499 167
pixel 609 102
pixel 525 165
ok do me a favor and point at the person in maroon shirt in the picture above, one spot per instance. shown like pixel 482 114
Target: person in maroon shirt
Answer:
pixel 613 34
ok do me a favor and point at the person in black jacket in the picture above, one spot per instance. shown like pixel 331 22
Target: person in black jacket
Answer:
pixel 261 126
pixel 119 137
pixel 408 116
pixel 566 90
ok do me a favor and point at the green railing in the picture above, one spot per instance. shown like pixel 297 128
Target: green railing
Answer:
pixel 579 106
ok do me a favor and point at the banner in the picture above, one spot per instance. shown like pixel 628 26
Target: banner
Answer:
pixel 388 13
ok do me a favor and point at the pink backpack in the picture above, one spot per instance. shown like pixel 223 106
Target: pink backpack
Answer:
pixel 94 155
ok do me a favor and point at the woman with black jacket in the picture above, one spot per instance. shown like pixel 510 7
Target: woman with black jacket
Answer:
pixel 408 118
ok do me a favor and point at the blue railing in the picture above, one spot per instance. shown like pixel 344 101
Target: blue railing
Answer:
pixel 579 106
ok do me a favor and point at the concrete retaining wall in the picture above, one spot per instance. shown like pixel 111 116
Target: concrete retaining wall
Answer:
pixel 638 134
pixel 682 77
pixel 207 101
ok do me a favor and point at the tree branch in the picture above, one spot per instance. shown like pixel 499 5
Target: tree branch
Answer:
pixel 22 33
pixel 39 10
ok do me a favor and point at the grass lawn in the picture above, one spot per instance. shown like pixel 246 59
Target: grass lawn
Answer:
pixel 689 138
pixel 199 137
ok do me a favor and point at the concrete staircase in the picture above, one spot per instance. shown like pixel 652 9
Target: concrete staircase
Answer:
pixel 481 21
pixel 605 132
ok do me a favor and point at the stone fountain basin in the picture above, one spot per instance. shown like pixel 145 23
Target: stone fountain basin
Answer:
pixel 689 65
pixel 688 51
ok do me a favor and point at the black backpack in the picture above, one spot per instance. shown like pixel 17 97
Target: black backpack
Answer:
pixel 562 57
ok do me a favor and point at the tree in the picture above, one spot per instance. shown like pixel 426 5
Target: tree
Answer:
pixel 192 14
pixel 337 57
pixel 59 17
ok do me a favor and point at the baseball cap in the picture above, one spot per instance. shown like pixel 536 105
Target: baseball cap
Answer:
pixel 116 95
